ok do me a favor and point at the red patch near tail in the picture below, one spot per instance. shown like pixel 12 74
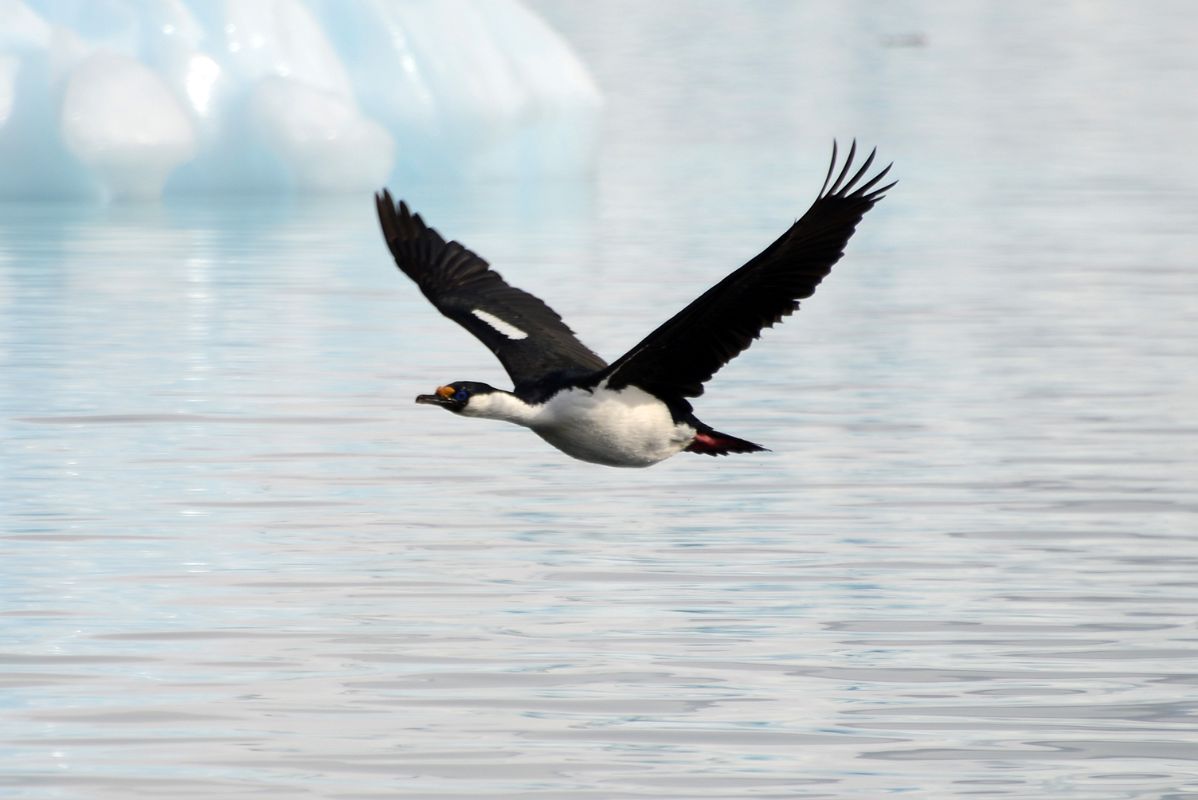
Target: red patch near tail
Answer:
pixel 714 443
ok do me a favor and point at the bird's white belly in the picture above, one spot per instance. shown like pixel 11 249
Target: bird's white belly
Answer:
pixel 628 428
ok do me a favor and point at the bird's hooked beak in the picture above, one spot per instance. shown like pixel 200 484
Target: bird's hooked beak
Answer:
pixel 443 397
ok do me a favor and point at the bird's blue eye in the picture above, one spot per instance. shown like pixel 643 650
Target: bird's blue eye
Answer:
pixel 461 395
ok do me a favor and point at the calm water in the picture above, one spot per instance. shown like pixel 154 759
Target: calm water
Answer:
pixel 239 561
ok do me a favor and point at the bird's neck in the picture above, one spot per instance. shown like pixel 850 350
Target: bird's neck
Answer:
pixel 503 406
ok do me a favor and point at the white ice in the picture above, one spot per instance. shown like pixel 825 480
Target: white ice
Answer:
pixel 133 98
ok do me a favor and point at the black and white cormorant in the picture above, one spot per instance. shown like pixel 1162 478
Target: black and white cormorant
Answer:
pixel 633 412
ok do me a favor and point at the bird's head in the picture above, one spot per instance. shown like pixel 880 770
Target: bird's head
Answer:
pixel 456 396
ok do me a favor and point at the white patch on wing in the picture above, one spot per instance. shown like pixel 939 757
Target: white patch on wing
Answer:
pixel 506 328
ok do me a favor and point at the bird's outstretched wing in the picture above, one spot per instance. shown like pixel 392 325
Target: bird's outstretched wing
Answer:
pixel 527 336
pixel 691 346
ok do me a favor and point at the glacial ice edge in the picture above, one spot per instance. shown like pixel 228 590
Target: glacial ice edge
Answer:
pixel 131 99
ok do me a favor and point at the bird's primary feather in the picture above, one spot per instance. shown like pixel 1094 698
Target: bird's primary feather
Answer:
pixel 526 335
pixel 690 347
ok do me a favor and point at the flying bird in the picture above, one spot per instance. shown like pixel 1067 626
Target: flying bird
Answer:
pixel 635 411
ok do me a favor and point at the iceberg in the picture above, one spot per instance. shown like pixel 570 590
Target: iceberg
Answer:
pixel 132 99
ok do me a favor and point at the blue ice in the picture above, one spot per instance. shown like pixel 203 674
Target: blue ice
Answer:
pixel 133 99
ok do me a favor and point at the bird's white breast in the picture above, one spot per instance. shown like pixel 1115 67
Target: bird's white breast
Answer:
pixel 626 428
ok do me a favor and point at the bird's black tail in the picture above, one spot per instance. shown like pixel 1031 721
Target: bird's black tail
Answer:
pixel 714 443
